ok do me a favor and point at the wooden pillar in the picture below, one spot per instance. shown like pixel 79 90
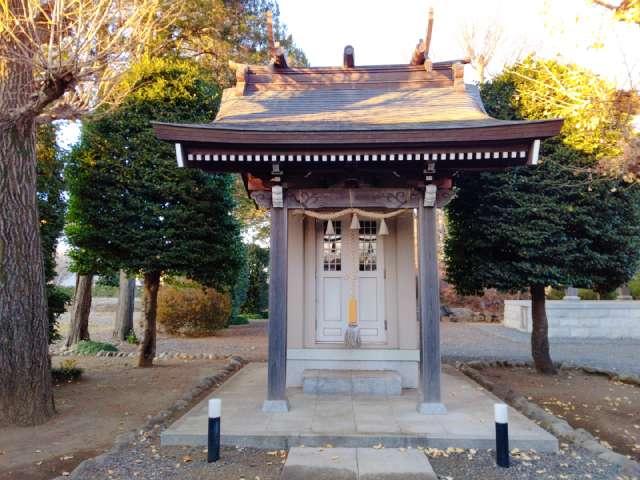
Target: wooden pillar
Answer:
pixel 277 363
pixel 429 288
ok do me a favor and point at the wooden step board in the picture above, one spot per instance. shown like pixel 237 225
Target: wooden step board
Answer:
pixel 304 463
pixel 352 382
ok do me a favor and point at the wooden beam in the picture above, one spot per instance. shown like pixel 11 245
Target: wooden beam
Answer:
pixel 421 52
pixel 427 40
pixel 429 300
pixel 315 198
pixel 347 59
pixel 501 133
pixel 277 362
pixel 270 38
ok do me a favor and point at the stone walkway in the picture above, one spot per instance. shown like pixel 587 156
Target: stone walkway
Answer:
pixel 353 420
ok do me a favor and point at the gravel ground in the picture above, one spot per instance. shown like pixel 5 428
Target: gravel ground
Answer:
pixel 146 460
pixel 482 341
pixel 569 464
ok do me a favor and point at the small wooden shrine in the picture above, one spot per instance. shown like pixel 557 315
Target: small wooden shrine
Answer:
pixel 345 158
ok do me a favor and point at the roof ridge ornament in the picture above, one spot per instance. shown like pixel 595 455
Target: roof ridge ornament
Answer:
pixel 276 52
pixel 421 52
pixel 348 60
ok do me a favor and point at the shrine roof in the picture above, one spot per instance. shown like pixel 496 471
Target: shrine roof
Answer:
pixel 298 103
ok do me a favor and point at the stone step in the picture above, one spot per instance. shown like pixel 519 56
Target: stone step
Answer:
pixel 356 464
pixel 351 382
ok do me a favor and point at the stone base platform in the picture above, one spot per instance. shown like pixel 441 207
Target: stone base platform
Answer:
pixel 351 382
pixel 355 420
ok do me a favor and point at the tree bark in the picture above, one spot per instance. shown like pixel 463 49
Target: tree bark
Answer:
pixel 124 314
pixel 148 346
pixel 540 332
pixel 79 324
pixel 26 394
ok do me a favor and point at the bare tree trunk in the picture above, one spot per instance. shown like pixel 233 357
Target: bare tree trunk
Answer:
pixel 26 395
pixel 124 314
pixel 540 332
pixel 148 345
pixel 79 324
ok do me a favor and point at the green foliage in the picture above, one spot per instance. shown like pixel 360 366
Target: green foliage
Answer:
pixel 109 279
pixel 588 294
pixel 216 31
pixel 624 11
pixel 89 347
pixel 543 225
pixel 553 224
pixel 131 204
pixel 258 291
pixel 240 319
pixel 51 209
pixel 99 290
pixel 67 372
pixel 541 89
pixel 634 286
pixel 132 338
pixel 58 299
pixel 239 293
pixel 192 310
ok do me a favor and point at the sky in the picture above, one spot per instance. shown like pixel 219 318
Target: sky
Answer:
pixel 383 31
pixel 386 31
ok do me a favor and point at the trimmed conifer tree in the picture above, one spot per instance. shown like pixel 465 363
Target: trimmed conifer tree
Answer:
pixel 135 208
pixel 555 224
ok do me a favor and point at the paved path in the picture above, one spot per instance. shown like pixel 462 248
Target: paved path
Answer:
pixel 482 341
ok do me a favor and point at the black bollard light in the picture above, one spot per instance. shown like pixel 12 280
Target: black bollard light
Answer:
pixel 213 434
pixel 502 435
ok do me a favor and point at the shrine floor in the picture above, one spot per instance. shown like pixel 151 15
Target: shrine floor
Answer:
pixel 355 421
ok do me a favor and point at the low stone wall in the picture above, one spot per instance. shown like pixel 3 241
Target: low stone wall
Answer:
pixel 579 318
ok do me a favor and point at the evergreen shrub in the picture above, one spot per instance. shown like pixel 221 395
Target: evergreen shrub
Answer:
pixel 89 347
pixel 67 372
pixel 192 310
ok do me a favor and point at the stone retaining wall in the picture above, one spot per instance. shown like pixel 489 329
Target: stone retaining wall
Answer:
pixel 579 318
